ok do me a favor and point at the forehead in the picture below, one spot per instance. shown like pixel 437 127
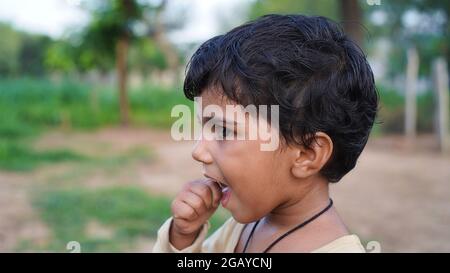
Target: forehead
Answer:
pixel 215 96
pixel 225 108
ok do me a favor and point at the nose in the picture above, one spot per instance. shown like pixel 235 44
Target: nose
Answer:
pixel 201 152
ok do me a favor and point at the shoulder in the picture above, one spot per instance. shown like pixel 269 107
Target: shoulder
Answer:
pixel 344 244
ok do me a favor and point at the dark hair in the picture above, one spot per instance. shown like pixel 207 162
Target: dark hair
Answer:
pixel 319 77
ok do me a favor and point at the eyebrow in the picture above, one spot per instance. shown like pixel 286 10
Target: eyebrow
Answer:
pixel 218 120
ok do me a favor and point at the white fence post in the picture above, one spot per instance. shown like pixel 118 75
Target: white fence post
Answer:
pixel 412 71
pixel 441 86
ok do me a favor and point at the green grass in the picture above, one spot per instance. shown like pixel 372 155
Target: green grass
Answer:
pixel 109 165
pixel 154 107
pixel 29 106
pixel 20 156
pixel 128 212
pixel 17 156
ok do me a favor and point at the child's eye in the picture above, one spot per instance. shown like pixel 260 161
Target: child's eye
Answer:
pixel 223 131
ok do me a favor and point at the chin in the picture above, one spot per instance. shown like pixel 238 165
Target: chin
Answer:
pixel 244 218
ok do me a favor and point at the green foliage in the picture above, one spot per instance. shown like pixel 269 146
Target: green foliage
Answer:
pixel 32 54
pixel 430 42
pixel 90 48
pixel 22 53
pixel 328 8
pixel 41 103
pixel 28 105
pixel 145 55
pixel 9 50
pixel 60 56
pixel 392 111
pixel 111 21
pixel 136 24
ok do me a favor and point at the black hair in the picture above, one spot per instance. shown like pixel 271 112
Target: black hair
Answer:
pixel 318 76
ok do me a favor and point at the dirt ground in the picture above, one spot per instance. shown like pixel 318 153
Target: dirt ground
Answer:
pixel 398 195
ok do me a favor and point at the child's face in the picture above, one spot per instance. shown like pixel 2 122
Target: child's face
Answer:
pixel 259 181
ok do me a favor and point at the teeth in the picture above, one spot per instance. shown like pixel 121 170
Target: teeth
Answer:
pixel 222 185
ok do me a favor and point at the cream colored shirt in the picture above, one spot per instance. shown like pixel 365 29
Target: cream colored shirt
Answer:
pixel 225 239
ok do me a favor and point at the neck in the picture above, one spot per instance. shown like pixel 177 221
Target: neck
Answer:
pixel 308 200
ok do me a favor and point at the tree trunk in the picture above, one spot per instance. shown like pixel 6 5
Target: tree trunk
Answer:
pixel 121 67
pixel 165 45
pixel 351 15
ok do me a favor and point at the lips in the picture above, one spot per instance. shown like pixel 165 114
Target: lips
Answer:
pixel 220 183
pixel 226 194
pixel 226 191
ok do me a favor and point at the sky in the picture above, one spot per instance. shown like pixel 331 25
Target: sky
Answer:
pixel 56 17
pixel 51 17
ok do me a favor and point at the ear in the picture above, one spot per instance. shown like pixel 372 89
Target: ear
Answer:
pixel 309 161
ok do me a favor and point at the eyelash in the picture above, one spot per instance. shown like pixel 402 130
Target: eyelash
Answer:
pixel 224 131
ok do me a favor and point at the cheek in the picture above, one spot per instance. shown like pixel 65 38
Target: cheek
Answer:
pixel 254 195
pixel 252 175
pixel 244 165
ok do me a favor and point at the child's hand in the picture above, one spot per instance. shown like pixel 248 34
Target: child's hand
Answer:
pixel 191 208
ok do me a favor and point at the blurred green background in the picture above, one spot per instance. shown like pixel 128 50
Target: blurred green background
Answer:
pixel 85 147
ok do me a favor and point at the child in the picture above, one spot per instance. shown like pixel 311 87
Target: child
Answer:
pixel 279 199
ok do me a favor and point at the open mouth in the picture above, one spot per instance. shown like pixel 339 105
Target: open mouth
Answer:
pixel 221 184
pixel 226 191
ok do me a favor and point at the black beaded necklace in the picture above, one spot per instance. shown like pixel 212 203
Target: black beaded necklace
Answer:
pixel 290 231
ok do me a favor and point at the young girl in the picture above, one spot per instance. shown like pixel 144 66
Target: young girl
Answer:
pixel 279 199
